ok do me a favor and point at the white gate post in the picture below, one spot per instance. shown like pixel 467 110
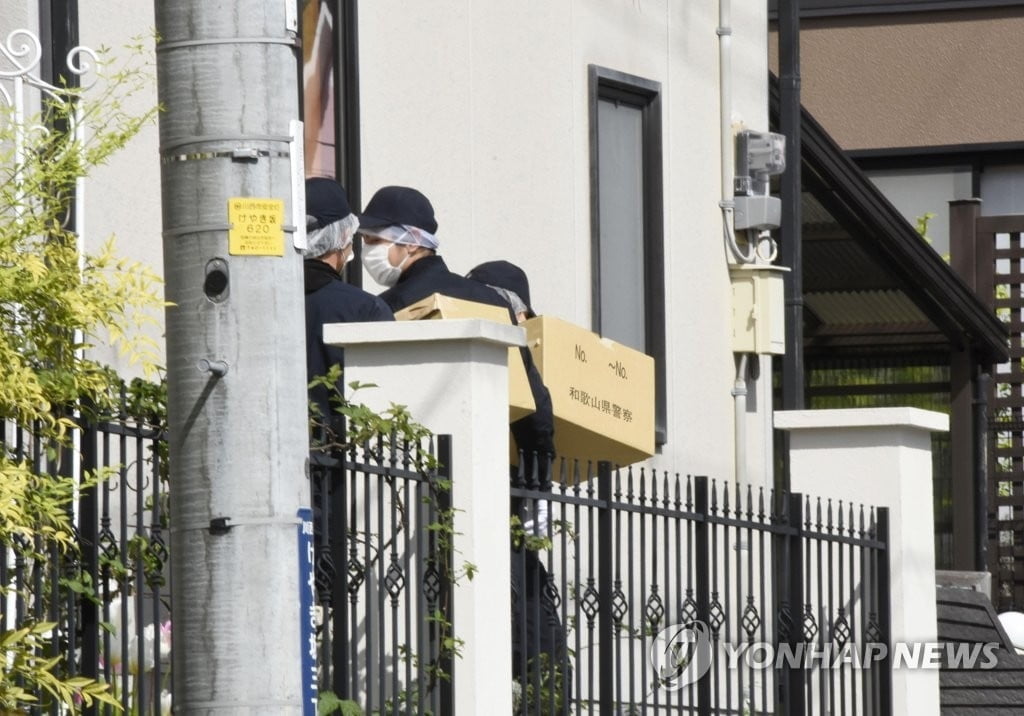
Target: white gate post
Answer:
pixel 453 377
pixel 882 457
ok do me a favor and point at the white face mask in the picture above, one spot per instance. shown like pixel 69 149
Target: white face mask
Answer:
pixel 375 260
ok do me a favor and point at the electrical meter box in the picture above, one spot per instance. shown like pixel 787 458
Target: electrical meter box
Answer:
pixel 758 309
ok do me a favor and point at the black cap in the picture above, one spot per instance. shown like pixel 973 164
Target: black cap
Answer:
pixel 326 201
pixel 393 205
pixel 506 275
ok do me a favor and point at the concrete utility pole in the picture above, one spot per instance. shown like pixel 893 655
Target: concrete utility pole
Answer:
pixel 228 81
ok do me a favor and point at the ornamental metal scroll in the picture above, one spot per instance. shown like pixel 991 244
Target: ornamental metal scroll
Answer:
pixel 24 94
pixel 20 57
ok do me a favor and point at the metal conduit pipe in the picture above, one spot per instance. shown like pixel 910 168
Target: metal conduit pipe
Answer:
pixel 728 168
pixel 790 232
pixel 727 142
pixel 739 396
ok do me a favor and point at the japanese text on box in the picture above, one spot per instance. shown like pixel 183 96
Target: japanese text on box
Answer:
pixel 591 400
pixel 257 227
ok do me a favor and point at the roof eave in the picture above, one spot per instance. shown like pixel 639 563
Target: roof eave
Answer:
pixel 939 291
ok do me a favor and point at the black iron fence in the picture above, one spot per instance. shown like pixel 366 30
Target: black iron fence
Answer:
pixel 383 527
pixel 639 592
pixel 669 594
pixel 111 601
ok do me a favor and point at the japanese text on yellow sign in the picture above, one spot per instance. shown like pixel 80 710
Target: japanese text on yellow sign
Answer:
pixel 257 227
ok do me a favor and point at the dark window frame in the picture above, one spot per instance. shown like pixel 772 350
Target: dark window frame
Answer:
pixel 347 139
pixel 345 74
pixel 608 84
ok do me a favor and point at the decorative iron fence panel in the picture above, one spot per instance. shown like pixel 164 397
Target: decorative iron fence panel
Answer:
pixel 384 576
pixel 628 561
pixel 110 602
pixel 382 617
pixel 638 558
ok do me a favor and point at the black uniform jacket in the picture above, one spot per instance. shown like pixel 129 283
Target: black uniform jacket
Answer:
pixel 533 434
pixel 330 300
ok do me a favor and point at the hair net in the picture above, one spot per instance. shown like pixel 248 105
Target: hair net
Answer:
pixel 333 237
pixel 402 234
pixel 512 298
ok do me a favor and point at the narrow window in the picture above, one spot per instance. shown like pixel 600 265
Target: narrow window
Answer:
pixel 626 218
pixel 330 98
pixel 318 95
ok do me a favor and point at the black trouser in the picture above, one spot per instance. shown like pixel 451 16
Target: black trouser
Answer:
pixel 539 657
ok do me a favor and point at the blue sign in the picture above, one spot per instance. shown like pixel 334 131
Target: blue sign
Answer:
pixel 307 611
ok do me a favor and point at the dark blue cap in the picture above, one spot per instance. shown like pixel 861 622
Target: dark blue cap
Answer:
pixel 326 201
pixel 506 275
pixel 393 205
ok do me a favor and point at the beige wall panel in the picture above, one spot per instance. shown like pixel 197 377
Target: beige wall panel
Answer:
pixel 699 367
pixel 416 87
pixel 923 79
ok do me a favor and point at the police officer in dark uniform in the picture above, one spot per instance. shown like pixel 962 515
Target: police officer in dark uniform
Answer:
pixel 537 630
pixel 400 252
pixel 330 227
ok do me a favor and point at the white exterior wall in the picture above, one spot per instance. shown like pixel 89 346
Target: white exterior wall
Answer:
pixel 484 107
pixel 122 198
pixel 17 14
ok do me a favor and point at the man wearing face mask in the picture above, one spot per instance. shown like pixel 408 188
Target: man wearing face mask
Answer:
pixel 400 252
pixel 330 227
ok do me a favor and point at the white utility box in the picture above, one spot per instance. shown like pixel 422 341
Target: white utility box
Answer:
pixel 758 309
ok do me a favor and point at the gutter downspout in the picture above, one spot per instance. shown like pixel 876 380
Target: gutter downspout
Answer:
pixel 58 22
pixel 790 231
pixel 727 205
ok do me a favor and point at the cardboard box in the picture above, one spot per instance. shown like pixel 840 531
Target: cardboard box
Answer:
pixel 602 392
pixel 437 306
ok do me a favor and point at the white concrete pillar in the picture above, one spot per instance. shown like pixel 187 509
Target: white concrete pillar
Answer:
pixel 882 457
pixel 453 377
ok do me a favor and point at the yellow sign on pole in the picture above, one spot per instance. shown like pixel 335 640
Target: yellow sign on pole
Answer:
pixel 257 227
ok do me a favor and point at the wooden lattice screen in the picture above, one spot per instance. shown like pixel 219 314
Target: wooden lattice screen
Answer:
pixel 1004 236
